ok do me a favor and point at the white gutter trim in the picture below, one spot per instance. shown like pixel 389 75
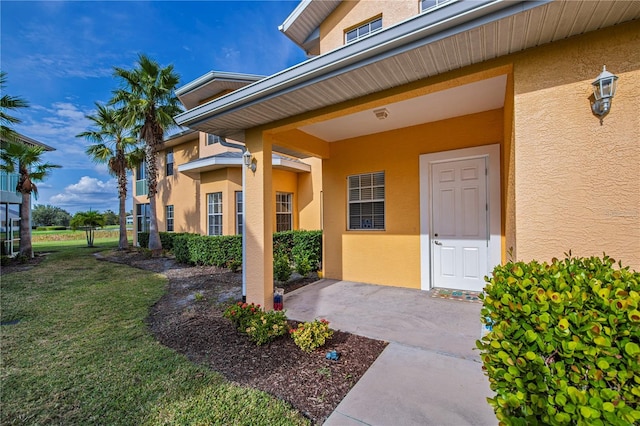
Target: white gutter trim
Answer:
pixel 210 161
pixel 216 75
pixel 389 42
pixel 294 16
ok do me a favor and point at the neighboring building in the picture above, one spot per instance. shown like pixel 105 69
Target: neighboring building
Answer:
pixel 10 202
pixel 200 179
pixel 451 134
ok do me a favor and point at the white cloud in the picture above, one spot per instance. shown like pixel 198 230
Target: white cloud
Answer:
pixel 57 126
pixel 88 193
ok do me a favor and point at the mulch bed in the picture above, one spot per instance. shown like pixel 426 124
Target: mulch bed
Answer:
pixel 188 319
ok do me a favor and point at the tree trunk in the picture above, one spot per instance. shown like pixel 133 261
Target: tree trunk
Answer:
pixel 155 245
pixel 123 244
pixel 25 226
pixel 124 241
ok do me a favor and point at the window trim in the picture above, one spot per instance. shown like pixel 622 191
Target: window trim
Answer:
pixel 169 217
pixel 288 202
pixel 372 201
pixel 439 3
pixel 239 212
pixel 361 26
pixel 214 216
pixel 169 165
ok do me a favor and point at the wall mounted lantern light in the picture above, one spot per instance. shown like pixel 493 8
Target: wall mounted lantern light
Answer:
pixel 604 87
pixel 247 159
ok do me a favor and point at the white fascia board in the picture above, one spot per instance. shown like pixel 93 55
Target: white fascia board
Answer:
pixel 209 162
pixel 216 75
pixel 212 163
pixel 417 31
pixel 294 15
pixel 292 165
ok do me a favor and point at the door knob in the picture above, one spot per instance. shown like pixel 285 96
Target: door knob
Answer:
pixel 436 242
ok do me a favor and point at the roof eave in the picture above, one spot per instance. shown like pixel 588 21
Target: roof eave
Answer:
pixel 355 55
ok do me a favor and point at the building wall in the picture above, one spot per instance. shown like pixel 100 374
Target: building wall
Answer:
pixel 227 181
pixel 178 190
pixel 309 199
pixel 577 183
pixel 350 14
pixel 391 257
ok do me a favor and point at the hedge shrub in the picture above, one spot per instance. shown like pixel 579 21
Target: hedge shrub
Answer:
pixel 143 239
pixel 565 342
pixel 301 248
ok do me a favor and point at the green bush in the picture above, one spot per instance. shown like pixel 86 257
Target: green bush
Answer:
pixel 304 248
pixel 564 347
pixel 143 239
pixel 181 248
pixel 51 228
pixel 311 335
pixel 303 266
pixel 266 326
pixel 240 314
pixel 261 327
pixel 308 244
pixel 281 268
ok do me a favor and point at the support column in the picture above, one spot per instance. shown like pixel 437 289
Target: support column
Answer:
pixel 258 210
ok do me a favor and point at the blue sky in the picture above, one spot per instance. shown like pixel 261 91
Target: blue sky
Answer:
pixel 59 56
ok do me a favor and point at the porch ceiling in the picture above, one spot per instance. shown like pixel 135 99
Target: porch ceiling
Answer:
pixel 455 36
pixel 470 98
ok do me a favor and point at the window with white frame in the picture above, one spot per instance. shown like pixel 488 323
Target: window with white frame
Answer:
pixel 169 216
pixel 284 211
pixel 366 201
pixel 239 212
pixel 214 210
pixel 169 162
pixel 143 217
pixel 363 30
pixel 431 4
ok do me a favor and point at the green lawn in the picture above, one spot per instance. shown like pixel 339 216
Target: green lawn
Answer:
pixel 81 353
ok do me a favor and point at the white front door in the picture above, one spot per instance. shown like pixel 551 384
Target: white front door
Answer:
pixel 459 238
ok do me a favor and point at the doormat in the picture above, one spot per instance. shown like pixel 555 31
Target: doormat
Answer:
pixel 462 295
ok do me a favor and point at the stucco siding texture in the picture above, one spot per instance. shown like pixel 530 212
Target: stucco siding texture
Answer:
pixel 350 14
pixel 577 182
pixel 390 256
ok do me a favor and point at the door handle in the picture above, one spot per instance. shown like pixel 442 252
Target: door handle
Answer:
pixel 436 242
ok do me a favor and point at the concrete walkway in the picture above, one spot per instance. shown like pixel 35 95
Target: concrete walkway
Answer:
pixel 429 373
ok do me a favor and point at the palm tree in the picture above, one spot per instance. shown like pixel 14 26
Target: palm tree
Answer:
pixel 114 146
pixel 25 160
pixel 10 103
pixel 150 103
pixel 88 221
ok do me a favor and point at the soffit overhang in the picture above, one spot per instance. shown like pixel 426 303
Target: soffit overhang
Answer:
pixel 454 36
pixel 182 136
pixel 212 84
pixel 26 140
pixel 194 168
pixel 302 25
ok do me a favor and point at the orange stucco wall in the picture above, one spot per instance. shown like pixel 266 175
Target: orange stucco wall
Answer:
pixel 577 183
pixel 391 257
pixel 350 14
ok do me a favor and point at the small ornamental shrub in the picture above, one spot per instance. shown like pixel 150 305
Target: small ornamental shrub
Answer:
pixel 241 313
pixel 564 347
pixel 281 268
pixel 311 335
pixel 303 266
pixel 266 326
